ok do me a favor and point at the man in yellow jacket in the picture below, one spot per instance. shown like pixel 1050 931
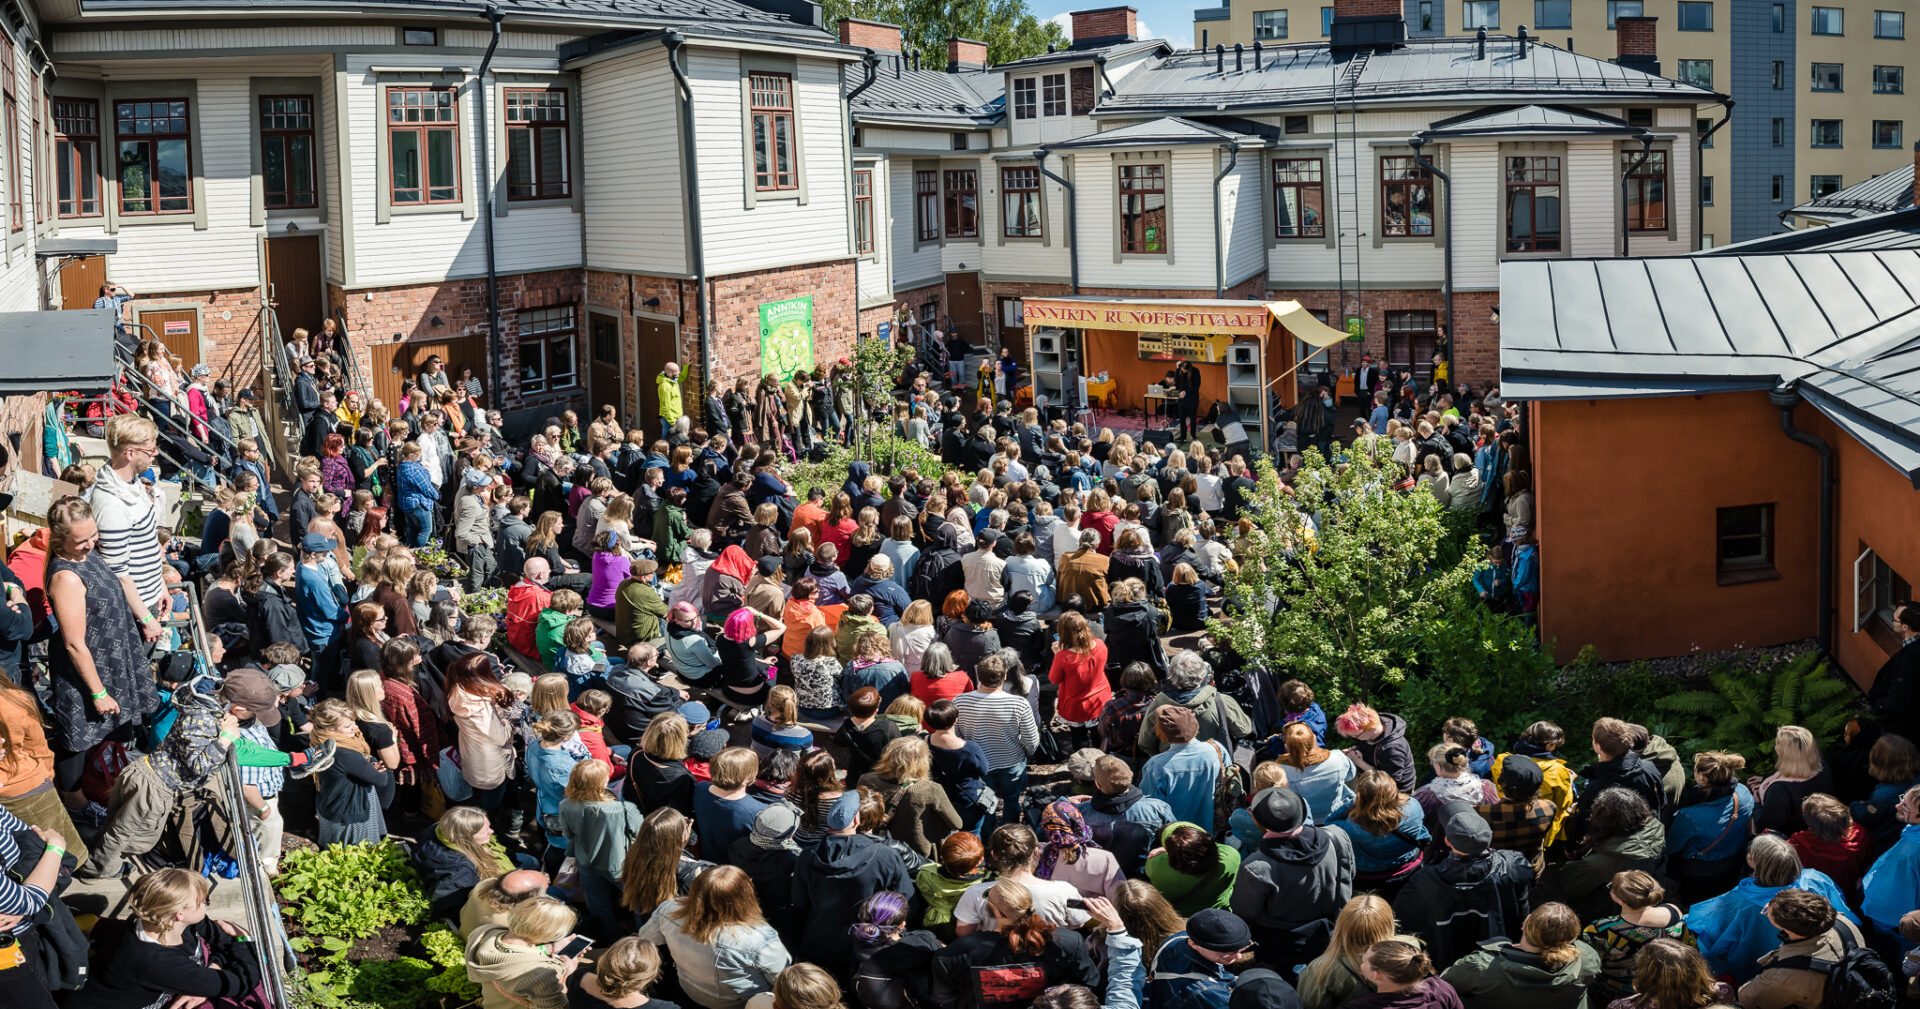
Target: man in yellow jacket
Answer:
pixel 668 385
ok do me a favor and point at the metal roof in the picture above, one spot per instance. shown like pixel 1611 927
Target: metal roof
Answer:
pixel 1529 120
pixel 53 247
pixel 1844 327
pixel 1887 191
pixel 1213 14
pixel 1073 55
pixel 639 13
pixel 1162 132
pixel 48 351
pixel 1896 229
pixel 929 97
pixel 1421 70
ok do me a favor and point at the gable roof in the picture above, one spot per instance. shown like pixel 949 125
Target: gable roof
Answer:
pixel 928 97
pixel 1071 55
pixel 1887 191
pixel 1162 132
pixel 1895 229
pixel 1844 327
pixel 1526 120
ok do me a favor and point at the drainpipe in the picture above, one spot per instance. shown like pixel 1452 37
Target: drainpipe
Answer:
pixel 1786 397
pixel 1699 144
pixel 1100 67
pixel 1446 224
pixel 494 15
pixel 872 62
pixel 690 168
pixel 1219 257
pixel 1073 244
pixel 1626 179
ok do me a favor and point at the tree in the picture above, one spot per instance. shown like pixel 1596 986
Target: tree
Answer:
pixel 1008 27
pixel 1343 598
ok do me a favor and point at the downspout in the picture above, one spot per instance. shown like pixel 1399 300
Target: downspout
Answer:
pixel 690 170
pixel 494 15
pixel 1786 397
pixel 1626 179
pixel 1446 224
pixel 1698 159
pixel 1100 67
pixel 1219 256
pixel 1073 244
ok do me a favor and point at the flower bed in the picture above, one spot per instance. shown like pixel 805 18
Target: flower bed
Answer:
pixel 354 917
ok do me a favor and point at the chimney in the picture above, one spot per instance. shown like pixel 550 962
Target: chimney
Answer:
pixel 966 55
pixel 1105 27
pixel 1638 44
pixel 1359 24
pixel 875 35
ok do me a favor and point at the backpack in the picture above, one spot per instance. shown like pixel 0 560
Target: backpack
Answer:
pixel 1858 980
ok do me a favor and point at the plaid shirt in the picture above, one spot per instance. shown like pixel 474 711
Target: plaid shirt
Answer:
pixel 269 780
pixel 1521 827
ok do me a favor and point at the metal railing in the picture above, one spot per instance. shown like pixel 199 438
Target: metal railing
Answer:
pixel 356 380
pixel 281 412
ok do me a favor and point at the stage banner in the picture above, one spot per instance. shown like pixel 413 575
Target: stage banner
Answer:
pixel 786 336
pixel 1217 318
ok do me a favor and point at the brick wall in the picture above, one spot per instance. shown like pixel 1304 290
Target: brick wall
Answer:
pixel 870 318
pixel 228 342
pixel 1636 36
pixel 1366 8
pixel 875 35
pixel 736 315
pixel 1107 22
pixel 623 294
pixel 1476 344
pixel 966 51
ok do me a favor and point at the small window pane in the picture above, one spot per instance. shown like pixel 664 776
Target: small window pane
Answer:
pixel 1482 14
pixel 1617 9
pixel 1828 21
pixel 1823 185
pixel 1827 76
pixel 1553 13
pixel 1889 24
pixel 1889 80
pixel 1886 133
pixel 1269 24
pixel 1696 16
pixel 1826 133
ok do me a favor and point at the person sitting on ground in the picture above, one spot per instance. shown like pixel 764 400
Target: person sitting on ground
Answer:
pixel 492 900
pixel 1621 938
pixel 519 964
pixel 169 953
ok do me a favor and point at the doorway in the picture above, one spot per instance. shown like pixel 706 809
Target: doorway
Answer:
pixel 394 363
pixel 295 282
pixel 963 307
pixel 657 342
pixel 80 280
pixel 604 387
pixel 178 329
pixel 1013 326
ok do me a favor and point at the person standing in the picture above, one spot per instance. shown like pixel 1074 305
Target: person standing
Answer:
pixel 322 605
pixel 124 512
pixel 114 298
pixel 472 532
pixel 672 406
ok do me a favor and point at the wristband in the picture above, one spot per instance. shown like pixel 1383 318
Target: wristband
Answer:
pixel 148 618
pixel 228 737
pixel 56 849
pixel 99 695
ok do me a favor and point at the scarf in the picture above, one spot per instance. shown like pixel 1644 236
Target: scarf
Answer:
pixel 1066 835
pixel 355 742
pixel 499 851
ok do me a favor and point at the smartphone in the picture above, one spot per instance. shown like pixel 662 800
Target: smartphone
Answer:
pixel 580 944
pixel 1077 903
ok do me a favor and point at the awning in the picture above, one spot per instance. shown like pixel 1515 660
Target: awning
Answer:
pixel 56 351
pixel 1195 315
pixel 53 248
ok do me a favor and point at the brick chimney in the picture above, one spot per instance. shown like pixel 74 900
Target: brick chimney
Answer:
pixel 1367 8
pixel 1361 24
pixel 964 55
pixel 875 35
pixel 1639 48
pixel 1104 27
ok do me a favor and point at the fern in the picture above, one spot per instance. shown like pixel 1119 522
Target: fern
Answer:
pixel 1744 708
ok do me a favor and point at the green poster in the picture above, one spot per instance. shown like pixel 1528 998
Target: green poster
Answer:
pixel 786 336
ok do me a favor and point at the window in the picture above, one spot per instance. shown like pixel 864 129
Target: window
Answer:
pixel 1406 198
pixel 1533 204
pixel 963 209
pixel 1269 24
pixel 1877 589
pixel 420 36
pixel 1411 337
pixel 1827 76
pixel 286 152
pixel 1481 14
pixel 15 172
pixel 1326 21
pixel 156 171
pixel 1053 95
pixel 76 151
pixel 1299 194
pixel 1779 188
pixel 1025 91
pixel 1297 124
pixel 1426 15
pixel 1553 13
pixel 1013 313
pixel 863 212
pixel 1640 117
pixel 1826 133
pixel 1703 128
pixel 772 111
pixel 1822 185
pixel 1886 133
pixel 1617 9
pixel 1828 21
pixel 1744 551
pixel 1889 24
pixel 1779 74
pixel 1889 80
pixel 1020 202
pixel 959 141
pixel 537 163
pixel 1706 190
pixel 423 143
pixel 1143 209
pixel 1646 190
pixel 1698 73
pixel 546 349
pixel 1696 16
pixel 926 206
pixel 1312 359
pixel 1779 19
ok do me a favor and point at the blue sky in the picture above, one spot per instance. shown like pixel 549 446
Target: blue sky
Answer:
pixel 1168 19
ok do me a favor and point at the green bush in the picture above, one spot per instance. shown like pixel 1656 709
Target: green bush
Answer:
pixel 1744 707
pixel 346 892
pixel 1480 665
pixel 885 452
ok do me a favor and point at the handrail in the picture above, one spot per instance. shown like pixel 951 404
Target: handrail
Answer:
pixel 183 428
pixel 280 387
pixel 183 474
pixel 355 380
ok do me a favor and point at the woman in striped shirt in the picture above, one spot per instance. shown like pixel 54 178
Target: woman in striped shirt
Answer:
pixel 1004 727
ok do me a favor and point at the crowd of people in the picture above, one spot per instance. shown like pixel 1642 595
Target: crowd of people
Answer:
pixel 913 740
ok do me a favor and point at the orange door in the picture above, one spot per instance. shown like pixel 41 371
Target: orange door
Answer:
pixel 178 329
pixel 80 281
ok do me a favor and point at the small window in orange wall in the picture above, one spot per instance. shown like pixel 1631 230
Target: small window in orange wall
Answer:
pixel 1743 550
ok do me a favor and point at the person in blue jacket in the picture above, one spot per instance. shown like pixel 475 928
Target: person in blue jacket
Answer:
pixel 1710 828
pixel 322 605
pixel 1733 929
pixel 1526 570
pixel 1892 887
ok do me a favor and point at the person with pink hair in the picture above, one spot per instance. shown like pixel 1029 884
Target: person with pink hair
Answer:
pixel 746 647
pixel 1380 743
pixel 688 650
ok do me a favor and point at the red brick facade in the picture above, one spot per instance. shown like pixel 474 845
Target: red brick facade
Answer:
pixel 229 341
pixel 966 51
pixel 736 314
pixel 1366 8
pixel 1107 22
pixel 1636 36
pixel 875 35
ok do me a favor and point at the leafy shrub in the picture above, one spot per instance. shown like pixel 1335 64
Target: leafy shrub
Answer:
pixel 1481 665
pixel 1744 707
pixel 884 451
pixel 450 955
pixel 346 892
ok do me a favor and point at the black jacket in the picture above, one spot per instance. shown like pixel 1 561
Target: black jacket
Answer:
pixel 511 552
pixel 16 625
pixel 128 972
pixel 1458 903
pixel 1133 632
pixel 772 871
pixel 976 964
pixel 1024 633
pixel 1390 753
pixel 970 644
pixel 340 793
pixel 1893 694
pixel 271 618
pixel 829 885
pixel 1629 771
pixel 938 572
pixel 636 700
pixel 652 786
pixel 446 873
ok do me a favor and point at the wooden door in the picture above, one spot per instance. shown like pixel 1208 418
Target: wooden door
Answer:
pixel 80 281
pixel 603 364
pixel 294 278
pixel 657 343
pixel 178 329
pixel 1013 329
pixel 963 307
pixel 394 363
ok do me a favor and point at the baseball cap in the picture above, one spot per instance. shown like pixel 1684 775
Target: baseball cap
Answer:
pixel 1468 832
pixel 250 688
pixel 696 714
pixel 318 543
pixel 845 810
pixel 287 676
pixel 1218 931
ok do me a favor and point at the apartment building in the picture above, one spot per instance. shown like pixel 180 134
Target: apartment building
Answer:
pixel 1820 88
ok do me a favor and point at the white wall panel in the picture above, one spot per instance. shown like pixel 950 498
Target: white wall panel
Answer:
pixel 635 214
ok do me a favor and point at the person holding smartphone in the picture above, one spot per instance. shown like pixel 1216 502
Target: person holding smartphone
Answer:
pixel 525 963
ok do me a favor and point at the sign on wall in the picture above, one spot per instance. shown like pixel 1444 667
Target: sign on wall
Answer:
pixel 1207 318
pixel 1175 347
pixel 786 337
pixel 177 327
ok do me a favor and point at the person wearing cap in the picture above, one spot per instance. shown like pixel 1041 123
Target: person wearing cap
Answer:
pixel 472 532
pixel 1185 773
pixel 199 400
pixel 835 877
pixel 1474 894
pixel 322 605
pixel 638 608
pixel 1189 970
pixel 1290 888
pixel 770 856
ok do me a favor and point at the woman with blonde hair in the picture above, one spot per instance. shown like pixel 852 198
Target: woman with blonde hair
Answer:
pixel 778 727
pixel 549 694
pixel 598 828
pixel 518 965
pixel 460 854
pixel 1320 775
pixel 657 775
pixel 920 811
pixel 1709 831
pixel 722 948
pixel 367 697
pixel 804 986
pixel 166 952
pixel 909 637
pixel 619 979
pixel 1334 977
pixel 1733 928
pixel 1671 974
pixel 1799 771
pixel 1548 968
